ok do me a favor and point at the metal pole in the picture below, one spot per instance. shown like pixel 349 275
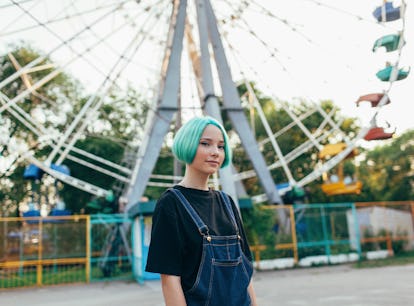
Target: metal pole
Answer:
pixel 212 107
pixel 160 124
pixel 235 112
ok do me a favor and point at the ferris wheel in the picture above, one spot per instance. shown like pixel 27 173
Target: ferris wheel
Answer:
pixel 183 58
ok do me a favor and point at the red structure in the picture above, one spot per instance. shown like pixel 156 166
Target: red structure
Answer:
pixel 374 98
pixel 377 133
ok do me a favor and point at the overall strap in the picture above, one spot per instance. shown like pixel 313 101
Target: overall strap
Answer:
pixel 202 228
pixel 227 203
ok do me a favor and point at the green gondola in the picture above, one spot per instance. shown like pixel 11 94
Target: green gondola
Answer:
pixel 390 42
pixel 385 74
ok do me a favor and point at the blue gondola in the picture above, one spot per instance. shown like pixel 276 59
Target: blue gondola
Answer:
pixel 33 172
pixel 391 13
pixel 282 188
pixel 32 213
pixel 60 168
pixel 57 213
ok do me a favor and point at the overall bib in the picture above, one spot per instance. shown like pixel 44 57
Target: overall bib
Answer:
pixel 224 272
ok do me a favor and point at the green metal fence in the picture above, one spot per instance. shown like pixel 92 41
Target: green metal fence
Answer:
pixel 111 251
pixel 36 251
pixel 328 233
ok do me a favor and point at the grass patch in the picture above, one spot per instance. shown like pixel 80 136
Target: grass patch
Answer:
pixel 58 274
pixel 400 259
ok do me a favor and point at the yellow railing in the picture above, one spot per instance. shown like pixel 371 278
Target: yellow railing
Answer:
pixel 29 250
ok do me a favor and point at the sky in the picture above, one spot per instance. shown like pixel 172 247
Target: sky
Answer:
pixel 339 63
pixel 323 50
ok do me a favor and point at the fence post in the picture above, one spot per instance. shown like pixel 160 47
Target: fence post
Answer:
pixel 325 234
pixel 294 237
pixel 88 249
pixel 39 266
pixel 357 233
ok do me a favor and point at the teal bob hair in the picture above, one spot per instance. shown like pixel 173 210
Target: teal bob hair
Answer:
pixel 187 139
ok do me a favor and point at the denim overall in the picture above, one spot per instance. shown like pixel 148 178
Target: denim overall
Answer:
pixel 224 272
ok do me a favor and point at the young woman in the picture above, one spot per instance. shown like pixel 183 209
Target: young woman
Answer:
pixel 198 244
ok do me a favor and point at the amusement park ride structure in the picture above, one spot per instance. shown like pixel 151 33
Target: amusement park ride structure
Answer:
pixel 207 50
pixel 216 95
pixel 390 42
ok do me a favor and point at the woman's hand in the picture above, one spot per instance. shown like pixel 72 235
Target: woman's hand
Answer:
pixel 252 294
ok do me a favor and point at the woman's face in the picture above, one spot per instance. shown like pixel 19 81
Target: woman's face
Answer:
pixel 210 152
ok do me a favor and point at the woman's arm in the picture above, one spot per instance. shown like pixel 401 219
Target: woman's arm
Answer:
pixel 252 294
pixel 172 290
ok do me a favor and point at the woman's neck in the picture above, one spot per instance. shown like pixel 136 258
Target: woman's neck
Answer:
pixel 194 180
pixel 193 186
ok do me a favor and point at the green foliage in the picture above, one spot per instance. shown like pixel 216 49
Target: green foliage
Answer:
pixel 278 115
pixel 13 190
pixel 64 239
pixel 49 102
pixel 164 165
pixel 76 199
pixel 120 121
pixel 259 225
pixel 386 174
pixel 398 246
pixel 403 258
pixel 387 171
pixel 51 99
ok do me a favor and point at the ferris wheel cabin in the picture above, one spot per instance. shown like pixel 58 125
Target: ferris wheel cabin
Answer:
pixel 373 98
pixel 378 133
pixel 387 12
pixel 336 183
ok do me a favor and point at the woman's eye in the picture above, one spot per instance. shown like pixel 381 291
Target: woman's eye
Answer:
pixel 221 147
pixel 206 144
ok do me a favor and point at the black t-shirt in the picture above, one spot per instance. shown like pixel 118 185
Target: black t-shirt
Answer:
pixel 176 244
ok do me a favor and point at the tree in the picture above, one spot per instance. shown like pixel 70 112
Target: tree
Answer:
pixel 119 126
pixel 47 106
pixel 278 118
pixel 49 109
pixel 387 172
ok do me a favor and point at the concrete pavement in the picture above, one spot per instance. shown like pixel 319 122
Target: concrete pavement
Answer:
pixel 332 285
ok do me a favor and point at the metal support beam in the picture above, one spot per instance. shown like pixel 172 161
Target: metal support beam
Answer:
pixel 158 124
pixel 211 106
pixel 233 106
pixel 161 121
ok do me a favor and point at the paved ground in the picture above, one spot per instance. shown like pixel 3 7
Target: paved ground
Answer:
pixel 338 286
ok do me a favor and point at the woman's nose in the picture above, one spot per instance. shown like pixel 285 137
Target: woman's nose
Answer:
pixel 214 150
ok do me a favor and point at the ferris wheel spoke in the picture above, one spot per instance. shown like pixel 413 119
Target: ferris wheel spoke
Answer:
pixel 100 192
pixel 287 127
pixel 41 133
pixel 91 106
pixel 269 132
pixel 40 59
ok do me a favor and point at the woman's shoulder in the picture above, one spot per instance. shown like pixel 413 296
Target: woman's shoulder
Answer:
pixel 167 202
pixel 167 194
pixel 233 204
pixel 225 196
